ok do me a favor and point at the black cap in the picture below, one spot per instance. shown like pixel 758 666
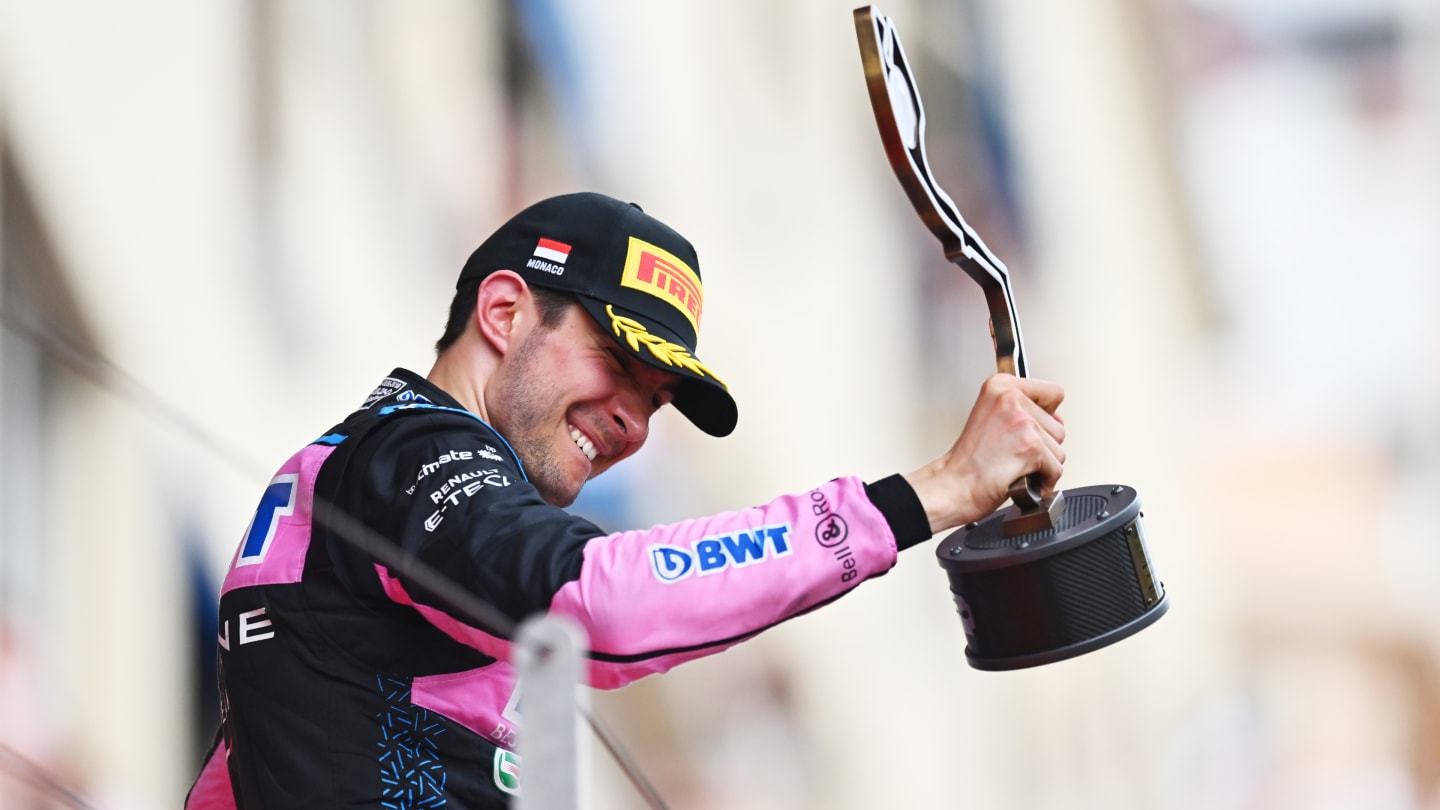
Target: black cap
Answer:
pixel 637 277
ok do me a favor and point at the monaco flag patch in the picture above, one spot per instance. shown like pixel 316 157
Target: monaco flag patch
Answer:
pixel 552 251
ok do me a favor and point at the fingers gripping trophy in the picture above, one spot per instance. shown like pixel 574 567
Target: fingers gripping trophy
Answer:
pixel 1048 577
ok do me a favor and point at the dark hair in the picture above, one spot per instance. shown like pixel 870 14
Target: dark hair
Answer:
pixel 462 307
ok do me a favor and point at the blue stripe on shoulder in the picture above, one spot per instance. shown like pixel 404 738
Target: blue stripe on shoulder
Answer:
pixel 331 439
pixel 427 406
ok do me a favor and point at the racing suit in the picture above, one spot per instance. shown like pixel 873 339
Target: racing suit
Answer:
pixel 343 684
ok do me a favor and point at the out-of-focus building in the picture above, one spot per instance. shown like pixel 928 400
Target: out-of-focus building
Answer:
pixel 224 222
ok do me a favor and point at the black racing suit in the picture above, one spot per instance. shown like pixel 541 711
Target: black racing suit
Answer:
pixel 345 684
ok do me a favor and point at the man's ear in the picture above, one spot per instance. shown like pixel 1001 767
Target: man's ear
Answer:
pixel 503 309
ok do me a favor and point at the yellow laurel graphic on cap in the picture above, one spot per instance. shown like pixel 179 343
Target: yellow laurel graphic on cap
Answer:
pixel 671 354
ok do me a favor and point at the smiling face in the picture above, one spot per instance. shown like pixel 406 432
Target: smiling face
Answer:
pixel 573 403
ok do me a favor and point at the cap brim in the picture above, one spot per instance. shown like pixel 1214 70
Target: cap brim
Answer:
pixel 701 396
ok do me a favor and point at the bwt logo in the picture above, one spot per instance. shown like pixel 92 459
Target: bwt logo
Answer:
pixel 714 554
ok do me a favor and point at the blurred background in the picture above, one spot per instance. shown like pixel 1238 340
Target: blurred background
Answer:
pixel 224 222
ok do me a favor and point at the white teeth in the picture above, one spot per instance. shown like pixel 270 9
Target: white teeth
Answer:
pixel 583 443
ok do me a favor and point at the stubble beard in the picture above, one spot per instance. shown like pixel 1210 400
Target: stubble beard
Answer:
pixel 526 401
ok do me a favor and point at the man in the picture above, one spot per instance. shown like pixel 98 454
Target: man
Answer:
pixel 345 684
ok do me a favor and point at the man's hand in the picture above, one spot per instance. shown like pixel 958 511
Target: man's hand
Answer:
pixel 1012 431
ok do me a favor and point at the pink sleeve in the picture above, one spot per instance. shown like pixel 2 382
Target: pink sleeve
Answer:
pixel 652 599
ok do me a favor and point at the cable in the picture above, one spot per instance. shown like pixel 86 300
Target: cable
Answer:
pixel 447 594
pixel 17 765
pixel 469 608
pixel 105 374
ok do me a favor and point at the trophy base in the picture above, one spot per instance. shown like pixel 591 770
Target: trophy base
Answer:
pixel 1033 598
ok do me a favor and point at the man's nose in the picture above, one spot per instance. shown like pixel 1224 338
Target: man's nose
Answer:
pixel 632 421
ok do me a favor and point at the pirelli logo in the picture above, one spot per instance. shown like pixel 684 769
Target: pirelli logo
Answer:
pixel 662 274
